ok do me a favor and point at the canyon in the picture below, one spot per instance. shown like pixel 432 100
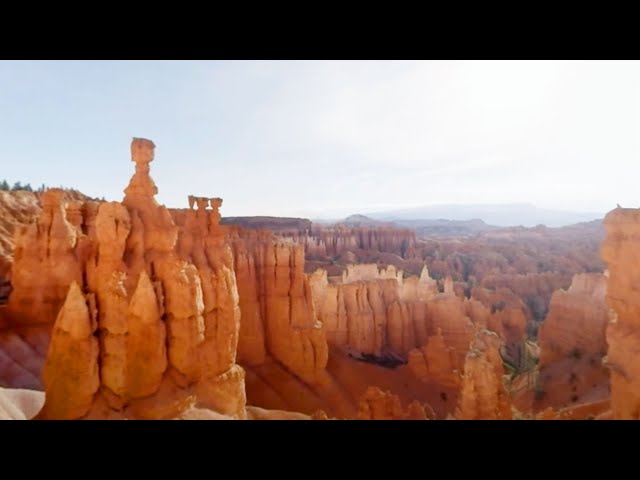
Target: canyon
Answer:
pixel 132 310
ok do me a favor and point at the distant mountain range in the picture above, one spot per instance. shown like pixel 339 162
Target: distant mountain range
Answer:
pixel 505 215
pixel 439 220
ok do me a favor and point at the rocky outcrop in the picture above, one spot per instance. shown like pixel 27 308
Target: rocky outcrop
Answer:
pixel 52 245
pixel 483 395
pixel 331 241
pixel 374 313
pixel 71 377
pixel 378 405
pixel 17 209
pixel 620 253
pixel 150 316
pixel 278 317
pixel 437 362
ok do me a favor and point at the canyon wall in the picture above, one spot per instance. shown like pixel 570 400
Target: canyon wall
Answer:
pixel 323 242
pixel 373 313
pixel 620 252
pixel 278 317
pixel 483 395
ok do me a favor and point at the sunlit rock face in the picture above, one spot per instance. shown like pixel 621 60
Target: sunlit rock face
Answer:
pixel 278 317
pixel 148 318
pixel 374 312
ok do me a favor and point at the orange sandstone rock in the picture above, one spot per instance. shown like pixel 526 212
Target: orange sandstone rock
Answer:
pixel 163 298
pixel 620 252
pixel 577 320
pixel 373 312
pixel 483 395
pixel 70 376
pixel 378 405
pixel 47 245
pixel 276 295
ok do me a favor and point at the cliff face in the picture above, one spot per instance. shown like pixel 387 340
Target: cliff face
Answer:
pixel 374 313
pixel 331 241
pixel 483 395
pixel 620 252
pixel 148 317
pixel 576 322
pixel 440 359
pixel 278 317
pixel 16 209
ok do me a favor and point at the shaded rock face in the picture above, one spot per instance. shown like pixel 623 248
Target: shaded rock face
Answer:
pixel 483 395
pixel 620 251
pixel 144 302
pixel 572 343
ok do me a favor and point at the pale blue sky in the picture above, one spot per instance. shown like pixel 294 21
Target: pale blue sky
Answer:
pixel 330 138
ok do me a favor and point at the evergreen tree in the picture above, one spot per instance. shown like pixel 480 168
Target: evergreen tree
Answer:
pixel 4 185
pixel 27 188
pixel 17 186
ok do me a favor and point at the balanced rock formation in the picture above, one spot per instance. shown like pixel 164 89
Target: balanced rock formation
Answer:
pixel 620 252
pixel 149 323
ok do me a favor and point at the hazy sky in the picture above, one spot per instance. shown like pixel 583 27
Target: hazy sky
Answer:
pixel 316 138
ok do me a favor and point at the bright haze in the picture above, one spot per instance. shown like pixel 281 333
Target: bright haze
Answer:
pixel 325 139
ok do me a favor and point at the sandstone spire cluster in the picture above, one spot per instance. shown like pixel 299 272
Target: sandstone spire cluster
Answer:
pixel 150 320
